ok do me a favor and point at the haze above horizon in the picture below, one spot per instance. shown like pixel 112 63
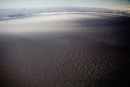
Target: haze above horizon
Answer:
pixel 121 4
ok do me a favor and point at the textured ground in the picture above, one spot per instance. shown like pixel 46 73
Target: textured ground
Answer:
pixel 65 51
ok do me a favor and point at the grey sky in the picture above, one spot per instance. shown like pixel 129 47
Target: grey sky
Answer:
pixel 62 3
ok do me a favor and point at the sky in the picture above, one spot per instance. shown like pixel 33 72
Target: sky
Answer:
pixel 65 3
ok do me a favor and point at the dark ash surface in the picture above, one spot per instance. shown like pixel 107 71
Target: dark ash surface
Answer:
pixel 95 55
